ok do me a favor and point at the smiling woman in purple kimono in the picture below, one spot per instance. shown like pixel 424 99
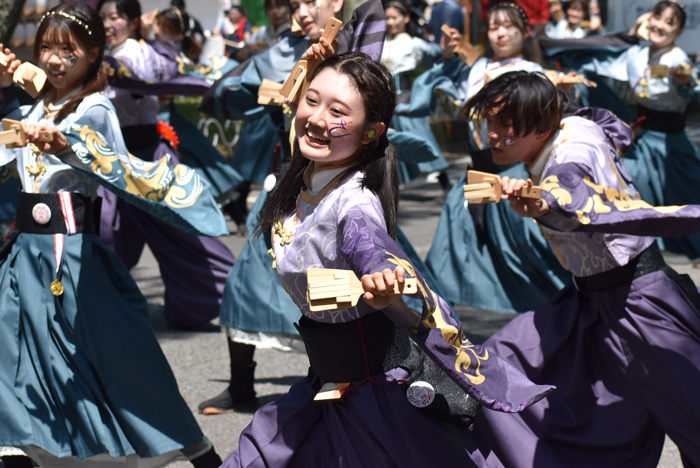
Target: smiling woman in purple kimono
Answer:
pixel 336 208
pixel 622 344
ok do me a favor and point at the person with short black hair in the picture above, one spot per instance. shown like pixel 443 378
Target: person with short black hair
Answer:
pixel 482 256
pixel 621 344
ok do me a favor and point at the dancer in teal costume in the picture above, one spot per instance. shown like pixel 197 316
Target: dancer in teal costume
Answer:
pixel 76 344
pixel 487 257
pixel 510 269
pixel 402 55
pixel 663 162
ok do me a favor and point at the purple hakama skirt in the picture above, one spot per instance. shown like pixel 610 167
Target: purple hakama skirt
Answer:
pixel 372 425
pixel 194 268
pixel 626 364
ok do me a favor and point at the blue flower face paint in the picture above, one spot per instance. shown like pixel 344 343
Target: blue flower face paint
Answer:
pixel 339 129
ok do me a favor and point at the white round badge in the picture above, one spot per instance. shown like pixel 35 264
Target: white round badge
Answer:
pixel 420 394
pixel 41 213
pixel 269 182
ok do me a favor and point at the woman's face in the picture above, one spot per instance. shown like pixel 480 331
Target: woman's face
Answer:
pixel 664 28
pixel 118 28
pixel 575 14
pixel 312 15
pixel 278 14
pixel 395 21
pixel 505 38
pixel 66 63
pixel 330 121
pixel 235 15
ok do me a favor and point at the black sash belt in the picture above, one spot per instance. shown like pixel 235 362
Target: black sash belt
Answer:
pixel 140 136
pixel 85 212
pixel 337 352
pixel 665 122
pixel 649 261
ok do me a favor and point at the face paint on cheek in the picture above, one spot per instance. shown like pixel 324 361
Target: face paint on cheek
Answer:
pixel 319 5
pixel 118 28
pixel 340 129
pixel 71 59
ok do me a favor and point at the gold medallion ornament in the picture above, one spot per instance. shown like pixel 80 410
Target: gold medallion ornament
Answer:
pixel 57 287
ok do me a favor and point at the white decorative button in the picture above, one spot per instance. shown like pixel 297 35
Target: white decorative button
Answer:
pixel 269 182
pixel 420 394
pixel 41 213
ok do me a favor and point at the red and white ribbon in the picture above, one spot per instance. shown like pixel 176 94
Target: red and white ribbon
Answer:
pixel 58 250
pixel 68 214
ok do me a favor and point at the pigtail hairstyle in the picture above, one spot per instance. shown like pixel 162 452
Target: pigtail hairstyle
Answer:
pixel 378 160
pixel 57 29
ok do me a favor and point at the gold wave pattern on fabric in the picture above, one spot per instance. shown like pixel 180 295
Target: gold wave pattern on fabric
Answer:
pixel 178 186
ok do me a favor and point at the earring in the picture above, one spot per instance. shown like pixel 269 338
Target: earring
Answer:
pixel 371 134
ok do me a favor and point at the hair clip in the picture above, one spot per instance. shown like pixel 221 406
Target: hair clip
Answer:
pixel 66 15
pixel 179 17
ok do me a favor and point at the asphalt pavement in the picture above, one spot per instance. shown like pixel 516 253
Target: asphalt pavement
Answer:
pixel 200 360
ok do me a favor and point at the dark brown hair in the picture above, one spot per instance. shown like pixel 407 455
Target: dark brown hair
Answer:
pixel 59 29
pixel 375 85
pixel 529 102
pixel 131 9
pixel 174 21
pixel 678 10
pixel 516 15
pixel 583 6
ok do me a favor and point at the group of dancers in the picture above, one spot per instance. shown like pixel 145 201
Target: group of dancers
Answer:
pixel 601 364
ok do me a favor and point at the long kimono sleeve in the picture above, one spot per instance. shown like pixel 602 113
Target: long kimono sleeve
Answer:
pixel 445 77
pixel 235 95
pixel 484 376
pixel 176 195
pixel 158 70
pixel 692 88
pixel 425 53
pixel 594 52
pixel 580 204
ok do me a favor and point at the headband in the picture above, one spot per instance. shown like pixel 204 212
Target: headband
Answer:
pixel 398 5
pixel 515 7
pixel 66 15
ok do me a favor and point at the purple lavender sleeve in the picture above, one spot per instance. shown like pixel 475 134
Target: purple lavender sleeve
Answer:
pixel 166 67
pixel 581 205
pixel 494 383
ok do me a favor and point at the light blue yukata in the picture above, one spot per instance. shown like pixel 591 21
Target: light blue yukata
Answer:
pixel 83 379
pixel 663 162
